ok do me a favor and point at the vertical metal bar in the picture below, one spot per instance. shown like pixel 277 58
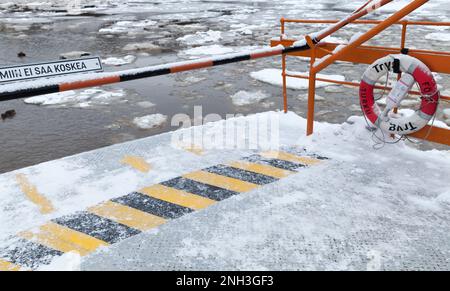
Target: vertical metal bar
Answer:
pixel 311 88
pixel 311 97
pixel 283 73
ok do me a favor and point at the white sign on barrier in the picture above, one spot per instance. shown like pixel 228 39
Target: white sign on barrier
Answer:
pixel 50 69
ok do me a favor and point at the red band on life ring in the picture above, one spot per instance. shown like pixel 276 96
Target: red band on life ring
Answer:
pixel 428 88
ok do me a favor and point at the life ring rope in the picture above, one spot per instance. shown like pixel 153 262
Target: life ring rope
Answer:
pixel 413 72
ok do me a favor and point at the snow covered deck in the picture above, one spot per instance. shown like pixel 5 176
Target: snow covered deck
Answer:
pixel 150 205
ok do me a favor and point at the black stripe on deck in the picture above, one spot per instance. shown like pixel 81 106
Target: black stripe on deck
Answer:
pixel 232 60
pixel 281 164
pixel 201 189
pixel 29 254
pixel 142 75
pixel 304 153
pixel 153 205
pixel 98 227
pixel 243 175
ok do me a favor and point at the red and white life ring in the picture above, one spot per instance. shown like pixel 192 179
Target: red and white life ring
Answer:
pixel 422 75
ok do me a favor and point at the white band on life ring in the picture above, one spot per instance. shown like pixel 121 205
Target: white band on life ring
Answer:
pixel 427 84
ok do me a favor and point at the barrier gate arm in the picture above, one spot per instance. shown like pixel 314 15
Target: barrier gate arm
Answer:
pixel 41 87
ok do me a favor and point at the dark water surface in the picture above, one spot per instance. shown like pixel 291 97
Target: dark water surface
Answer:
pixel 43 133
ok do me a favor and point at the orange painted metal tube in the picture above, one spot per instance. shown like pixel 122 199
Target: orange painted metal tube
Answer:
pixel 366 21
pixel 370 34
pixel 354 84
pixel 433 134
pixel 285 101
pixel 353 17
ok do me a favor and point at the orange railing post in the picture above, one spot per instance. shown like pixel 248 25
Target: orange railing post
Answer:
pixel 311 89
pixel 283 73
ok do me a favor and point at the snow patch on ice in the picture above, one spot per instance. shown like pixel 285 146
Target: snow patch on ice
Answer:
pixel 128 27
pixel 150 121
pixel 214 49
pixel 273 77
pixel 148 47
pixel 242 98
pixel 85 98
pixel 201 37
pixel 117 61
pixel 70 261
pixel 439 36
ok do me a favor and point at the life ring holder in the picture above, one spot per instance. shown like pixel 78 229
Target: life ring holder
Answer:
pixel 422 76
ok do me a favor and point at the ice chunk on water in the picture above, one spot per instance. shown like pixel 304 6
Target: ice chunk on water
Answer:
pixel 199 38
pixel 116 61
pixel 150 121
pixel 273 77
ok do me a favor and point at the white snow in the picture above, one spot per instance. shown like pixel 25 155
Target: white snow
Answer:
pixel 242 98
pixel 145 104
pixel 74 55
pixel 326 217
pixel 84 98
pixel 70 261
pixel 117 61
pixel 439 36
pixel 150 121
pixel 214 49
pixel 352 197
pixel 273 77
pixel 201 37
pixel 143 46
pixel 128 27
pixel 446 113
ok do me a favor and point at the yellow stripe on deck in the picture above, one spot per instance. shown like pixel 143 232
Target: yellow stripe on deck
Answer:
pixel 45 206
pixel 196 150
pixel 7 266
pixel 221 181
pixel 178 197
pixel 137 163
pixel 63 239
pixel 290 158
pixel 128 216
pixel 261 169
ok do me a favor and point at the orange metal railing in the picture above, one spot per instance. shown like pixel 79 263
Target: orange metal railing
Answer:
pixel 356 53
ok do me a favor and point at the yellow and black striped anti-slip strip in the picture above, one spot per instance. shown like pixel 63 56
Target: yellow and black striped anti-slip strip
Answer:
pixel 120 218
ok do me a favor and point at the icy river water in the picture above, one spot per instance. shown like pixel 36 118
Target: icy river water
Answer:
pixel 142 33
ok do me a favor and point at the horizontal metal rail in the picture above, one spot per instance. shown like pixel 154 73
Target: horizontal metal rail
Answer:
pixel 41 87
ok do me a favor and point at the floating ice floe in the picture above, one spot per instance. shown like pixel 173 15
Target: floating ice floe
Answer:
pixel 304 97
pixel 86 98
pixel 150 121
pixel 405 102
pixel 214 49
pixel 145 104
pixel 128 27
pixel 273 77
pixel 242 98
pixel 74 55
pixel 148 47
pixel 439 36
pixel 116 61
pixel 201 37
pixel 334 89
